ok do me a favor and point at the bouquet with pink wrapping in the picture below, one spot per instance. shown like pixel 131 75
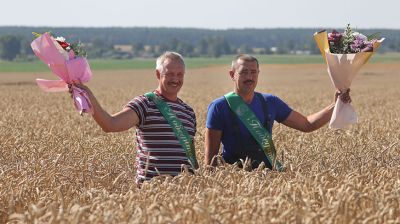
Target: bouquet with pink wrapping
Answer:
pixel 67 64
pixel 345 54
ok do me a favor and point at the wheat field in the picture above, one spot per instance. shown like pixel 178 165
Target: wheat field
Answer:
pixel 59 167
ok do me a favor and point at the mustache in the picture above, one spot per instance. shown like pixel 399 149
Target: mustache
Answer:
pixel 248 81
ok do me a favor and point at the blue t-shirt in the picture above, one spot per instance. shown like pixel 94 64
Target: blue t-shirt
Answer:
pixel 219 117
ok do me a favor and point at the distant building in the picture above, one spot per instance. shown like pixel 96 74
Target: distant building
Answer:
pixel 300 52
pixel 123 48
pixel 273 50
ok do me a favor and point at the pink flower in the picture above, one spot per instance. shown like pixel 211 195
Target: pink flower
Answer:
pixel 335 36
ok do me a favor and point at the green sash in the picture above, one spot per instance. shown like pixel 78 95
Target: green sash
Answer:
pixel 177 126
pixel 256 129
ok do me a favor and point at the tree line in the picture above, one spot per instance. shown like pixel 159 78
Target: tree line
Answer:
pixel 124 43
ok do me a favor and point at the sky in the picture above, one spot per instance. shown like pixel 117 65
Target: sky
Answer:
pixel 210 14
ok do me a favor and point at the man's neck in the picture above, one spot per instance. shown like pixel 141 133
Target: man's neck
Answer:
pixel 170 97
pixel 246 97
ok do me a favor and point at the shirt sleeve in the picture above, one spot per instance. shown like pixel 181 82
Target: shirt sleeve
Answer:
pixel 282 110
pixel 138 105
pixel 214 117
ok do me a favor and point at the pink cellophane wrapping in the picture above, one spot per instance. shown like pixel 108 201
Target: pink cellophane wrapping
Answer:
pixel 67 67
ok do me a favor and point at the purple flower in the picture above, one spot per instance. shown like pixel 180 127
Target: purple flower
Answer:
pixel 369 47
pixel 360 36
pixel 335 36
pixel 357 45
pixel 360 44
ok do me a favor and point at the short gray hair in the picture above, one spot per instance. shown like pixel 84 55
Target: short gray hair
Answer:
pixel 244 57
pixel 168 55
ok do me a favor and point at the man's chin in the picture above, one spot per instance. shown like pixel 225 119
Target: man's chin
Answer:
pixel 174 89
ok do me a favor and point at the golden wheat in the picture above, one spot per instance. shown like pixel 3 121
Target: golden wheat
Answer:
pixel 58 167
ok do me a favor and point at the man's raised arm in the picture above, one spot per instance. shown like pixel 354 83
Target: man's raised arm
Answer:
pixel 120 121
pixel 316 120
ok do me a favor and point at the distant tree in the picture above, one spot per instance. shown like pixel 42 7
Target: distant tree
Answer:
pixel 203 46
pixel 173 44
pixel 205 42
pixel 268 50
pixel 282 50
pixel 26 48
pixel 185 49
pixel 10 47
pixel 138 47
pixel 393 46
pixel 290 45
pixel 162 48
pixel 314 48
pixel 98 48
pixel 99 43
pixel 398 45
pixel 244 49
pixel 217 46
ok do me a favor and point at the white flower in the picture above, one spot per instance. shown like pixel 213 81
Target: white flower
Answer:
pixel 63 52
pixel 61 39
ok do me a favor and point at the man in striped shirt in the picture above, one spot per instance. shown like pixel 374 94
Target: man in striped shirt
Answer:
pixel 159 151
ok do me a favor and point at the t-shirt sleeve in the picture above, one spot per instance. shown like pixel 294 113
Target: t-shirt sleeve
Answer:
pixel 214 117
pixel 138 105
pixel 282 109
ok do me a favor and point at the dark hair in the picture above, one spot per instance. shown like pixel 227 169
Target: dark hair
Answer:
pixel 244 57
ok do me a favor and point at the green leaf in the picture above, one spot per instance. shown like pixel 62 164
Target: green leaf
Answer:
pixel 40 34
pixel 36 35
pixel 374 36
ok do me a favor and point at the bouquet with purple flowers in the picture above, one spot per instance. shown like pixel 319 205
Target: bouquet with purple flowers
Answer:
pixel 350 42
pixel 345 54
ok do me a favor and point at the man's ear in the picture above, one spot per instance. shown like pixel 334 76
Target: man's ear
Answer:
pixel 232 74
pixel 158 74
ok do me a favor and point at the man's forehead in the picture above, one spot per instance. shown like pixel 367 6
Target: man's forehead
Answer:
pixel 170 64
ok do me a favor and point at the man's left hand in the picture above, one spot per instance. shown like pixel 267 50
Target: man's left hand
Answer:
pixel 344 96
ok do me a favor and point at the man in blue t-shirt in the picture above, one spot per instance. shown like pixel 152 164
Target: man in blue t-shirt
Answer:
pixel 223 125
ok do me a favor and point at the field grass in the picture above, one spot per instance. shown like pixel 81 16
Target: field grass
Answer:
pixel 59 167
pixel 124 64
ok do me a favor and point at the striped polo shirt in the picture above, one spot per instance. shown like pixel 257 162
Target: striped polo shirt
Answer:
pixel 158 149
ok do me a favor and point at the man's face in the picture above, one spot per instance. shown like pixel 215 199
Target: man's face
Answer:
pixel 171 77
pixel 245 76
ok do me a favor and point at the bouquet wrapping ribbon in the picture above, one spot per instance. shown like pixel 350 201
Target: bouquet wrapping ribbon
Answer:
pixel 342 69
pixel 67 67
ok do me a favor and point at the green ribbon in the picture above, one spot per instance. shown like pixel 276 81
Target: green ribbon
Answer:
pixel 255 127
pixel 177 126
